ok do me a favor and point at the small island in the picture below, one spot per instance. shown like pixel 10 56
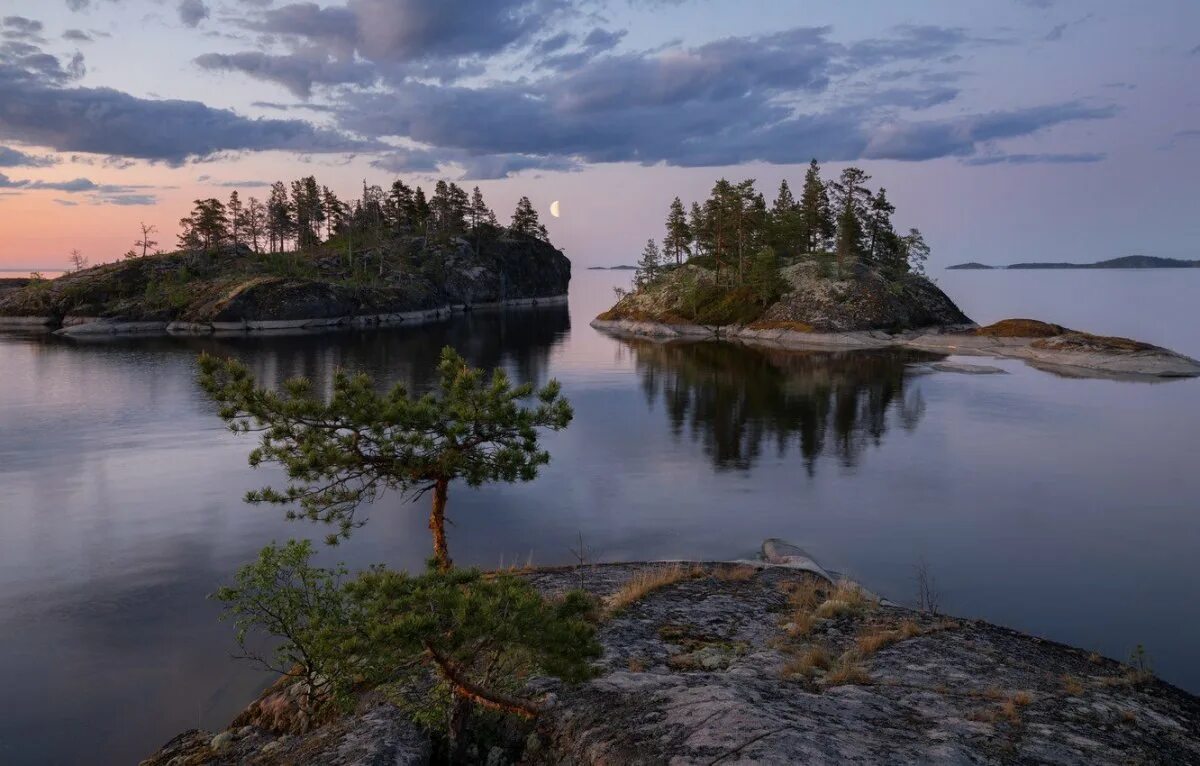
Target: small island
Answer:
pixel 612 268
pixel 830 271
pixel 1124 262
pixel 305 259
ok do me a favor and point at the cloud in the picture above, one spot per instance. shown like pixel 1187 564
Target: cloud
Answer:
pixel 297 73
pixel 98 194
pixel 192 12
pixel 1036 159
pixel 21 28
pixel 597 41
pixel 39 106
pixel 128 199
pixel 402 37
pixel 12 158
pixel 77 35
pixel 778 98
pixel 232 184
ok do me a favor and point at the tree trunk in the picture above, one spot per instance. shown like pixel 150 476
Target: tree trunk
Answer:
pixel 437 525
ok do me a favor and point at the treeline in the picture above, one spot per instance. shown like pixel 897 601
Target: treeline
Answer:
pixel 305 214
pixel 735 229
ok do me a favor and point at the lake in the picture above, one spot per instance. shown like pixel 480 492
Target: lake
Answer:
pixel 1064 507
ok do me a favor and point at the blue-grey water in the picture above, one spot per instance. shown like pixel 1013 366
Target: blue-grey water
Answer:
pixel 1069 508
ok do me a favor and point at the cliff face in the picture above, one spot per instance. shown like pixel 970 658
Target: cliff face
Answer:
pixel 234 287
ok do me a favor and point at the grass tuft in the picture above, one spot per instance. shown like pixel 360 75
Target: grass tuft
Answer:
pixel 1071 685
pixel 737 573
pixel 647 581
pixel 847 671
pixel 808 662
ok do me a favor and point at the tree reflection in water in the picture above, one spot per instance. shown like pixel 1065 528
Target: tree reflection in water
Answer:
pixel 739 400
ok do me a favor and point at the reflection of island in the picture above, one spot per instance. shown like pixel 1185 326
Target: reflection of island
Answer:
pixel 519 341
pixel 738 400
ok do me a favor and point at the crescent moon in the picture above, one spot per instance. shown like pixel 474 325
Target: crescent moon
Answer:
pixel 554 209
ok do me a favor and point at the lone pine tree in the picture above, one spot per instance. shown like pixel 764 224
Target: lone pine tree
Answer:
pixel 341 453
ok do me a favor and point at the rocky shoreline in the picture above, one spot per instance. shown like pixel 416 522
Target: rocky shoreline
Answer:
pixel 1071 351
pixel 774 661
pixel 90 326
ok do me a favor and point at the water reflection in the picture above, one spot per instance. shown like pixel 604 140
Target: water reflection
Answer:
pixel 739 400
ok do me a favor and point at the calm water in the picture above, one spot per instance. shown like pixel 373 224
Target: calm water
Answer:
pixel 1068 508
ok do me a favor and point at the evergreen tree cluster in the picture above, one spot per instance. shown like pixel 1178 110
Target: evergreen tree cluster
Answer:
pixel 743 239
pixel 302 215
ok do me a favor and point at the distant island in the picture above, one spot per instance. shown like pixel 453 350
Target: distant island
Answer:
pixel 304 259
pixel 612 268
pixel 1124 262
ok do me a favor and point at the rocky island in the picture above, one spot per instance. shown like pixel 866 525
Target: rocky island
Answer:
pixel 829 271
pixel 388 259
pixel 768 661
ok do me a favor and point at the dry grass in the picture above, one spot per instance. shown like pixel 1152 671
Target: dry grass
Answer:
pixel 1010 711
pixel 801 625
pixel 1072 686
pixel 636 665
pixel 1128 716
pixel 647 581
pixel 808 662
pixel 873 640
pixel 869 643
pixel 910 629
pixel 806 594
pixel 847 598
pixel 1095 658
pixel 1020 328
pixel 847 671
pixel 1022 698
pixel 738 573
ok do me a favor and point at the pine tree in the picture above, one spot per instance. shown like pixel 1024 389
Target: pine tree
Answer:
pixel 849 239
pixel 915 251
pixel 786 223
pixel 815 219
pixel 764 280
pixel 679 235
pixel 421 212
pixel 401 215
pixel 650 264
pixel 256 220
pixel 697 227
pixel 525 221
pixel 280 220
pixel 851 199
pixel 343 452
pixel 879 225
pixel 334 211
pixel 237 218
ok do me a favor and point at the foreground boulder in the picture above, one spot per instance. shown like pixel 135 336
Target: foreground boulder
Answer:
pixel 775 662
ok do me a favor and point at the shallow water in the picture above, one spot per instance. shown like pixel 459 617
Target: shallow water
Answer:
pixel 1064 507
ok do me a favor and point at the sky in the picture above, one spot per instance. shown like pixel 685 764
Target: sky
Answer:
pixel 1006 130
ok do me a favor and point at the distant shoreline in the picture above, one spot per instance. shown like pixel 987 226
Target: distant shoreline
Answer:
pixel 1124 262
